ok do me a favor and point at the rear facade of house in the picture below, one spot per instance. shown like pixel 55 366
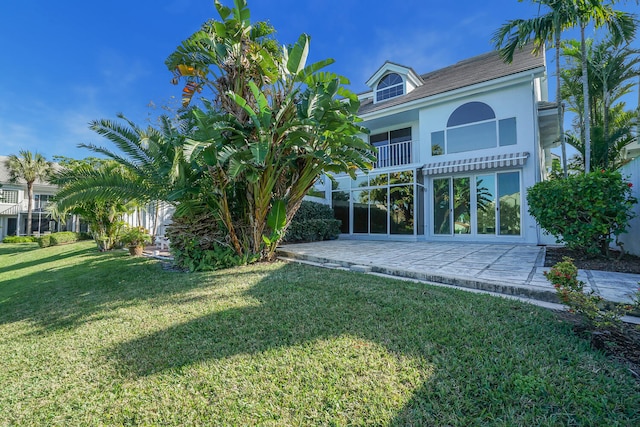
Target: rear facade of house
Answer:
pixel 457 149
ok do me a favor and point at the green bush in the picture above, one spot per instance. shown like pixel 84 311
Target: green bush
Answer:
pixel 59 238
pixel 313 222
pixel 64 237
pixel 192 255
pixel 44 241
pixel 19 239
pixel 586 212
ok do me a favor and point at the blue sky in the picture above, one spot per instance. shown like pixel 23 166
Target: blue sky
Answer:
pixel 66 63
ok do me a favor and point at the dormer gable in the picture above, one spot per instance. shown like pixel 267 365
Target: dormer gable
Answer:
pixel 393 80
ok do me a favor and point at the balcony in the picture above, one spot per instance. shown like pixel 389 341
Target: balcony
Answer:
pixel 394 154
pixel 21 208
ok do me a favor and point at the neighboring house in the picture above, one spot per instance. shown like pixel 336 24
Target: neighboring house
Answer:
pixel 457 149
pixel 632 150
pixel 13 210
pixel 13 206
pixel 631 239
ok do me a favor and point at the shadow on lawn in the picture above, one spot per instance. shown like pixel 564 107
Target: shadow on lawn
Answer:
pixel 300 304
pixel 478 352
pixel 40 261
pixel 58 295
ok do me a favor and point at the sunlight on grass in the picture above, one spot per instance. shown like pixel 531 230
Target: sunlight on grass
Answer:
pixel 104 338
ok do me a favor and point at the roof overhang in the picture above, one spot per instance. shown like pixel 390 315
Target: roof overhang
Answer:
pixel 548 125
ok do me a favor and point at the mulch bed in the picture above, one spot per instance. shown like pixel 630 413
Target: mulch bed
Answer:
pixel 627 264
pixel 621 344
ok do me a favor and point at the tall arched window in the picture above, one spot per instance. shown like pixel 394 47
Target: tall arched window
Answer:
pixel 473 126
pixel 390 86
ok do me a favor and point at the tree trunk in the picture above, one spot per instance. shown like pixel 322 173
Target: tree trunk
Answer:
pixel 605 121
pixel 29 206
pixel 585 95
pixel 563 143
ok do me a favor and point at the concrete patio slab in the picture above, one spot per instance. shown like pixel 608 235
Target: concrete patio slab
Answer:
pixel 511 269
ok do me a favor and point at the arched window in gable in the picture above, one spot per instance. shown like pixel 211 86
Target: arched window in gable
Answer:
pixel 390 86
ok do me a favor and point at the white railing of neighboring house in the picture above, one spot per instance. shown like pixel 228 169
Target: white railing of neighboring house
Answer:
pixel 396 154
pixel 23 207
pixel 15 208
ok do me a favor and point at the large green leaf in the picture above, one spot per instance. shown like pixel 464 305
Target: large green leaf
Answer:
pixel 259 151
pixel 277 218
pixel 297 57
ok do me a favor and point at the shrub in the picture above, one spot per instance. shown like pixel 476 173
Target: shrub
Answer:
pixel 591 307
pixel 19 239
pixel 135 236
pixel 64 237
pixel 44 241
pixel 59 238
pixel 583 211
pixel 192 255
pixel 313 222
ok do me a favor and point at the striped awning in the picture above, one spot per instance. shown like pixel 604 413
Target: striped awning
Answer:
pixel 476 163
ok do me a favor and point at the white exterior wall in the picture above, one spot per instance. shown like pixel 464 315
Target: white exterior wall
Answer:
pixel 631 239
pixel 514 101
pixel 152 222
pixel 7 210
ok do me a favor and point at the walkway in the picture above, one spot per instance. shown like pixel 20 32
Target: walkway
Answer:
pixel 511 269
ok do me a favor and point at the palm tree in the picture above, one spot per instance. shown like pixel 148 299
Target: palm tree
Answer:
pixel 517 33
pixel 611 68
pixel 622 27
pixel 30 168
pixel 563 14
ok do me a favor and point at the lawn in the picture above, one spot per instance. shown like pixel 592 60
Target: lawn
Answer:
pixel 89 338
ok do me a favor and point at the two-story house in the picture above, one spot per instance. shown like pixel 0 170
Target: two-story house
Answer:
pixel 13 206
pixel 457 149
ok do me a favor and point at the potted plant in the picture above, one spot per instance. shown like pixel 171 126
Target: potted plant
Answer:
pixel 135 238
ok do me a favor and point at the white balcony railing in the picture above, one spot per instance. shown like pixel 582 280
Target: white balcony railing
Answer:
pixel 396 154
pixel 22 207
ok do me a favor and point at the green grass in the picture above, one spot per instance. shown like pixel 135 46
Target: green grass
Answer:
pixel 89 338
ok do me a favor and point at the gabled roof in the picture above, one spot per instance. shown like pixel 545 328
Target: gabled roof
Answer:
pixel 478 69
pixel 394 67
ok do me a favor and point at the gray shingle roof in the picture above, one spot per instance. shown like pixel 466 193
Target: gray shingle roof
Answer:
pixel 478 69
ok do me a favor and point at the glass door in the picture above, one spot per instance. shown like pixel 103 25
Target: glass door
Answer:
pixel 462 205
pixel 486 204
pixel 442 206
pixel 509 203
pixel 480 205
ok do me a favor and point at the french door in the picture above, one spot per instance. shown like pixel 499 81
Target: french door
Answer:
pixel 486 204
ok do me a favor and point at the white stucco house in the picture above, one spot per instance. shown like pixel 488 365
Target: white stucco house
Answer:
pixel 457 149
pixel 13 206
pixel 13 210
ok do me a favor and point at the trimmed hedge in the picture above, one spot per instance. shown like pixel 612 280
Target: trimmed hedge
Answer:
pixel 19 239
pixel 60 238
pixel 313 222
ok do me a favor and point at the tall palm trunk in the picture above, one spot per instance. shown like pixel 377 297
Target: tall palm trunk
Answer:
pixel 605 121
pixel 29 206
pixel 560 107
pixel 585 95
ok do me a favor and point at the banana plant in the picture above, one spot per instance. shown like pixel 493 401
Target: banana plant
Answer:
pixel 274 126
